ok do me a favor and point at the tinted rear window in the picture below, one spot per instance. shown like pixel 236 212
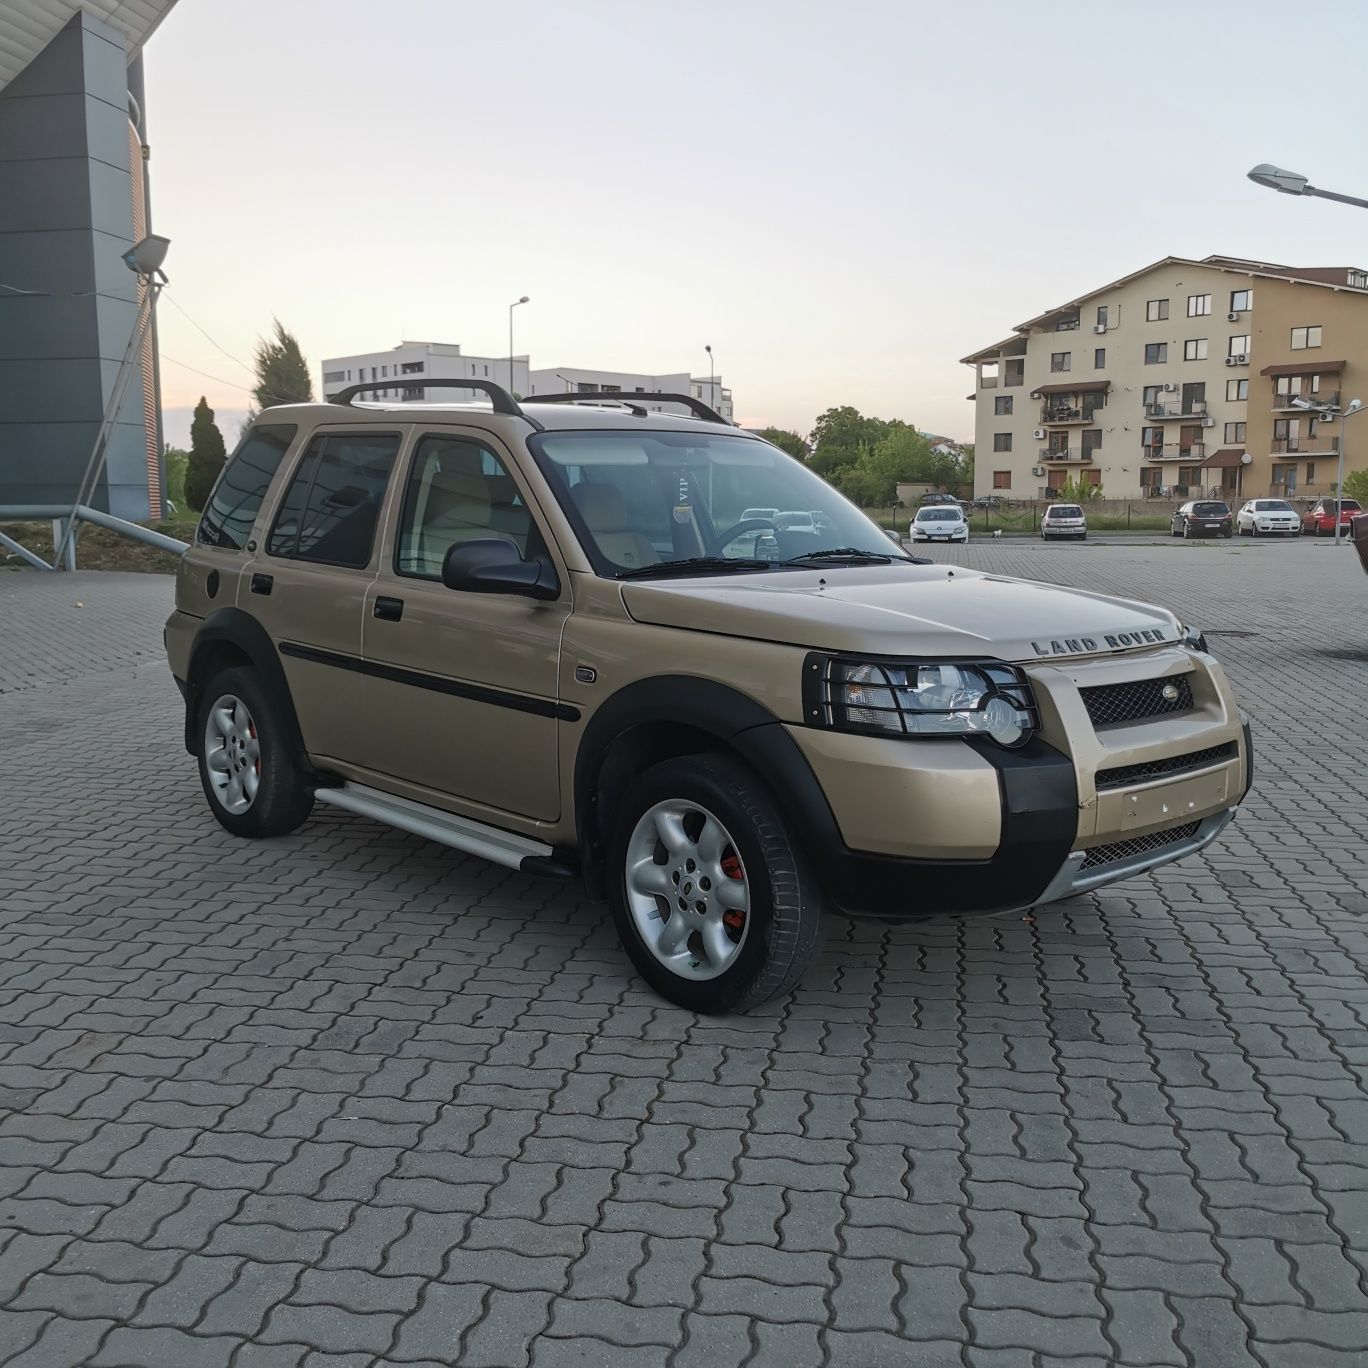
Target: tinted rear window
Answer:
pixel 1066 511
pixel 1210 510
pixel 227 519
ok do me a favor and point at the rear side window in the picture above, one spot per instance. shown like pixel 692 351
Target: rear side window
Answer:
pixel 330 510
pixel 236 500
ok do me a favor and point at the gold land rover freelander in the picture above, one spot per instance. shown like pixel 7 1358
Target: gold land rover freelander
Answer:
pixel 589 638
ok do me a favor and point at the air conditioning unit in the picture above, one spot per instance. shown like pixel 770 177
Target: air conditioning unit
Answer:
pixel 1208 422
pixel 1232 317
pixel 1040 434
pixel 1035 394
pixel 1037 471
pixel 1230 361
pixel 1170 389
pixel 1099 327
pixel 1239 360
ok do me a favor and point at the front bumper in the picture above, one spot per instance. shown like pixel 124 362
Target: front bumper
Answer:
pixel 967 828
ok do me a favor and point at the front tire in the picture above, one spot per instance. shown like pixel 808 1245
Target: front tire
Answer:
pixel 714 903
pixel 250 771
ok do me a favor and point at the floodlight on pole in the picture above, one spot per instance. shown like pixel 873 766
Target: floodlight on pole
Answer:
pixel 144 259
pixel 1294 183
pixel 1328 413
pixel 712 371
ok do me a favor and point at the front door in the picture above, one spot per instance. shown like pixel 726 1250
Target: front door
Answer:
pixel 307 586
pixel 461 687
pixel 1194 393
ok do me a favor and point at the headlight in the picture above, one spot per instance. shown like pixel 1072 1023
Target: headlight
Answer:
pixel 921 699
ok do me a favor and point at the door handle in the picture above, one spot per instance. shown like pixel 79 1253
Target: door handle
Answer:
pixel 261 584
pixel 389 609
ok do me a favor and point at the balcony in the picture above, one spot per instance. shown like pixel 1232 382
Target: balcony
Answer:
pixel 1058 414
pixel 1306 446
pixel 1058 455
pixel 1302 489
pixel 1163 412
pixel 1282 403
pixel 1175 451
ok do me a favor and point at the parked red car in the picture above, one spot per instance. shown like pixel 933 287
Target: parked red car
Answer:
pixel 1320 521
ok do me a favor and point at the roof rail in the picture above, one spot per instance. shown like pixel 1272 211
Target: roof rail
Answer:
pixel 499 397
pixel 696 406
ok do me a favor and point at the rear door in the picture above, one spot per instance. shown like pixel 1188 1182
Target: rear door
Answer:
pixel 461 688
pixel 307 583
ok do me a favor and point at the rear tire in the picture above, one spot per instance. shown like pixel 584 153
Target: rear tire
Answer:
pixel 750 911
pixel 252 775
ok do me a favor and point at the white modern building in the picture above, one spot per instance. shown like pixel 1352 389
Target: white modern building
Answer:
pixel 410 362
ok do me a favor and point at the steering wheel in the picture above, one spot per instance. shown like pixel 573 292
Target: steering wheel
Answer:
pixel 736 530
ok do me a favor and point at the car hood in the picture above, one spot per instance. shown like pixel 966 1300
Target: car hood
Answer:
pixel 904 610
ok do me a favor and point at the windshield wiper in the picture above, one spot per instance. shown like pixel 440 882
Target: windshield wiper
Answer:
pixel 692 565
pixel 845 553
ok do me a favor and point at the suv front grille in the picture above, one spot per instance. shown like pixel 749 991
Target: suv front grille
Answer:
pixel 1122 775
pixel 1116 851
pixel 1112 705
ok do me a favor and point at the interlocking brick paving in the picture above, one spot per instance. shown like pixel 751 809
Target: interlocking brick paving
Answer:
pixel 347 1098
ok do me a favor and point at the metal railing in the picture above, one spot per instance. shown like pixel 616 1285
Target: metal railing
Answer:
pixel 1322 398
pixel 1175 451
pixel 1305 446
pixel 1195 408
pixel 64 539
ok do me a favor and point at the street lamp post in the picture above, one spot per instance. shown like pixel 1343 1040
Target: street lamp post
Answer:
pixel 1328 412
pixel 1294 183
pixel 712 371
pixel 511 307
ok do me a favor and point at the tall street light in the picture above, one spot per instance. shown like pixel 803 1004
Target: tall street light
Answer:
pixel 712 371
pixel 1294 183
pixel 511 307
pixel 1327 413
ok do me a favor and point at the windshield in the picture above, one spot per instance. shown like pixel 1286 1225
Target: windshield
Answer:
pixel 642 500
pixel 1272 506
pixel 938 515
pixel 1210 510
pixel 1064 511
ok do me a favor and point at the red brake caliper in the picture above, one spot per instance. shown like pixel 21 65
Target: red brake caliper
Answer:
pixel 731 867
pixel 252 732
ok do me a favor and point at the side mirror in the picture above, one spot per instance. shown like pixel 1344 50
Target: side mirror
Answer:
pixel 492 565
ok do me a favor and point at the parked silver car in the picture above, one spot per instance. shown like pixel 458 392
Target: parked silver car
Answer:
pixel 1064 520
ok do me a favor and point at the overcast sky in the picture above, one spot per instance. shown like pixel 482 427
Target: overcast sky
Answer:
pixel 843 199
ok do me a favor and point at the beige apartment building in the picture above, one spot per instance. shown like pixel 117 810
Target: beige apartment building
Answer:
pixel 1175 381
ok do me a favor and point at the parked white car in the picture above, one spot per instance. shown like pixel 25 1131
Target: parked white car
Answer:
pixel 939 522
pixel 1262 517
pixel 1064 520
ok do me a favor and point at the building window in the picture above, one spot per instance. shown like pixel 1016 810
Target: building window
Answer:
pixel 1002 406
pixel 1002 441
pixel 1061 361
pixel 1150 395
pixel 1152 436
pixel 1002 479
pixel 1199 305
pixel 1101 315
pixel 1358 280
pixel 1092 477
pixel 412 368
pixel 1156 353
pixel 1236 390
pixel 1069 323
pixel 1310 472
pixel 332 377
pixel 1302 338
pixel 1241 300
pixel 1235 432
pixel 1015 373
pixel 1092 441
pixel 1239 346
pixel 1099 357
pixel 1195 348
pixel 1156 310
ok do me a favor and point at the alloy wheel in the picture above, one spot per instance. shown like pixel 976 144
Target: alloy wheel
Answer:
pixel 687 889
pixel 232 754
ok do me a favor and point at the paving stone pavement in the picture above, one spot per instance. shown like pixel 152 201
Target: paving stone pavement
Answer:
pixel 348 1098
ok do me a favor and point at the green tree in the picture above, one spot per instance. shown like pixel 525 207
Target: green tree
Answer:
pixel 282 372
pixel 207 455
pixel 176 462
pixel 1074 490
pixel 786 441
pixel 1356 486
pixel 840 434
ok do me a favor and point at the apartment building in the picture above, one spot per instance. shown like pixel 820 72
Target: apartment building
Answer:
pixel 1176 380
pixel 408 364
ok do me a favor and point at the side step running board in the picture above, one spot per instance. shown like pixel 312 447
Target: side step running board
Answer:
pixel 475 838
